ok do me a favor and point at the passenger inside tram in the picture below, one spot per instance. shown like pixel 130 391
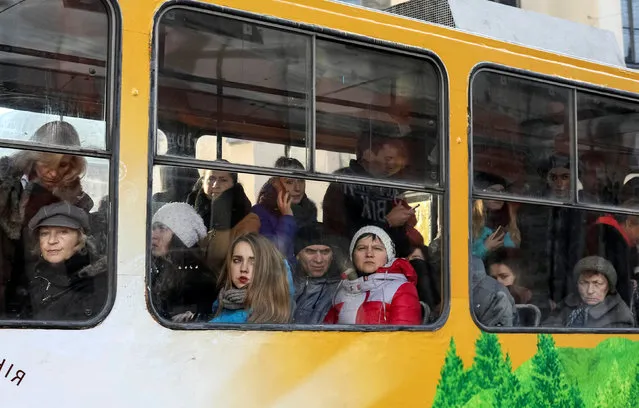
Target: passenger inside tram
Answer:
pixel 273 215
pixel 183 285
pixel 593 301
pixel 304 210
pixel 494 223
pixel 492 304
pixel 615 238
pixel 317 274
pixel 383 288
pixel 506 267
pixel 69 282
pixel 349 207
pixel 256 284
pixel 222 203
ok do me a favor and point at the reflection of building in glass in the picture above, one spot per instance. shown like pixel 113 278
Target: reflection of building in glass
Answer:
pixel 630 24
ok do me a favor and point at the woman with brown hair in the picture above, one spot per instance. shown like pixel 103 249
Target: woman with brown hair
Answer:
pixel 255 284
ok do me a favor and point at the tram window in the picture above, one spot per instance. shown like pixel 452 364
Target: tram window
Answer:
pixel 244 84
pixel 608 148
pixel 521 133
pixel 53 66
pixel 563 267
pixel 190 246
pixel 55 204
pixel 379 110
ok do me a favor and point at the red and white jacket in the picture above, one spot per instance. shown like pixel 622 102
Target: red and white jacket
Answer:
pixel 388 296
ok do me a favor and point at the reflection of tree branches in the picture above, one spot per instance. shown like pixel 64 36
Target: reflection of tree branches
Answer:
pixel 12 6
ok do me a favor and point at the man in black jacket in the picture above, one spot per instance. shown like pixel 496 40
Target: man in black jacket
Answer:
pixel 348 207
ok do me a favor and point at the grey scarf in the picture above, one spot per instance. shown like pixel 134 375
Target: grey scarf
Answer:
pixel 232 299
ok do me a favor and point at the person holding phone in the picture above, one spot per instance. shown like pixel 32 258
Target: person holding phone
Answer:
pixel 273 215
pixel 494 221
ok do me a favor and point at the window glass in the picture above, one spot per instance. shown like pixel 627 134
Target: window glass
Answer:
pixel 520 136
pixel 53 66
pixel 243 84
pixel 191 239
pixel 380 108
pixel 54 254
pixel 562 267
pixel 546 264
pixel 608 148
pixel 55 208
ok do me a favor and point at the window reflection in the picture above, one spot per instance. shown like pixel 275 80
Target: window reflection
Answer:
pixel 243 84
pixel 378 110
pixel 520 132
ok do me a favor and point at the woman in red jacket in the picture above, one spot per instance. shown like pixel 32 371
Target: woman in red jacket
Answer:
pixel 384 289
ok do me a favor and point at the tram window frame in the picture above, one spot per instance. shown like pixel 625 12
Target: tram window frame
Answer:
pixel 440 189
pixel 575 89
pixel 110 154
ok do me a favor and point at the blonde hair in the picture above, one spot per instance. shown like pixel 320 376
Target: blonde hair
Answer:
pixel 268 296
pixel 26 160
pixel 80 247
pixel 477 218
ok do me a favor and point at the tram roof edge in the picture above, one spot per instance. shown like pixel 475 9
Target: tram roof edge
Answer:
pixel 518 26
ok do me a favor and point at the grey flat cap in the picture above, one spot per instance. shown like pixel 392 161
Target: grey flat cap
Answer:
pixel 61 214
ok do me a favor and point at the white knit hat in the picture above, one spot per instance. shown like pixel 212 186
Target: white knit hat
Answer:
pixel 379 233
pixel 182 219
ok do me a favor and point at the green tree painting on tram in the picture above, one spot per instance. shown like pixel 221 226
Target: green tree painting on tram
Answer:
pixel 606 376
pixel 551 388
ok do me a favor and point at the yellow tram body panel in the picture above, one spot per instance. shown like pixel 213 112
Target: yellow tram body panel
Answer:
pixel 319 369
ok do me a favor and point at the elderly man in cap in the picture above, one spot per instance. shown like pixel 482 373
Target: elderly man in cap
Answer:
pixel 317 274
pixel 594 301
pixel 69 282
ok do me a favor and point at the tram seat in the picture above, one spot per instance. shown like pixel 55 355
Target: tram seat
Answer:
pixel 528 315
pixel 425 312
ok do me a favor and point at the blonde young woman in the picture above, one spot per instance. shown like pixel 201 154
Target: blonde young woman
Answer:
pixel 29 180
pixel 255 284
pixel 494 221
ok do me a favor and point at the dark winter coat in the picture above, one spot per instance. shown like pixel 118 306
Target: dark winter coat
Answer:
pixel 612 312
pixel 349 207
pixel 492 303
pixel 305 212
pixel 187 285
pixel 314 296
pixel 228 209
pixel 428 283
pixel 74 290
pixel 555 239
pixel 607 239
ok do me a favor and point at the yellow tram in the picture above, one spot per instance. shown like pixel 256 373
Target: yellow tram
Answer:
pixel 160 91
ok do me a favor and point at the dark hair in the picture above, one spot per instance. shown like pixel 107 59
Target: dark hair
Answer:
pixel 288 163
pixel 368 142
pixel 510 257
